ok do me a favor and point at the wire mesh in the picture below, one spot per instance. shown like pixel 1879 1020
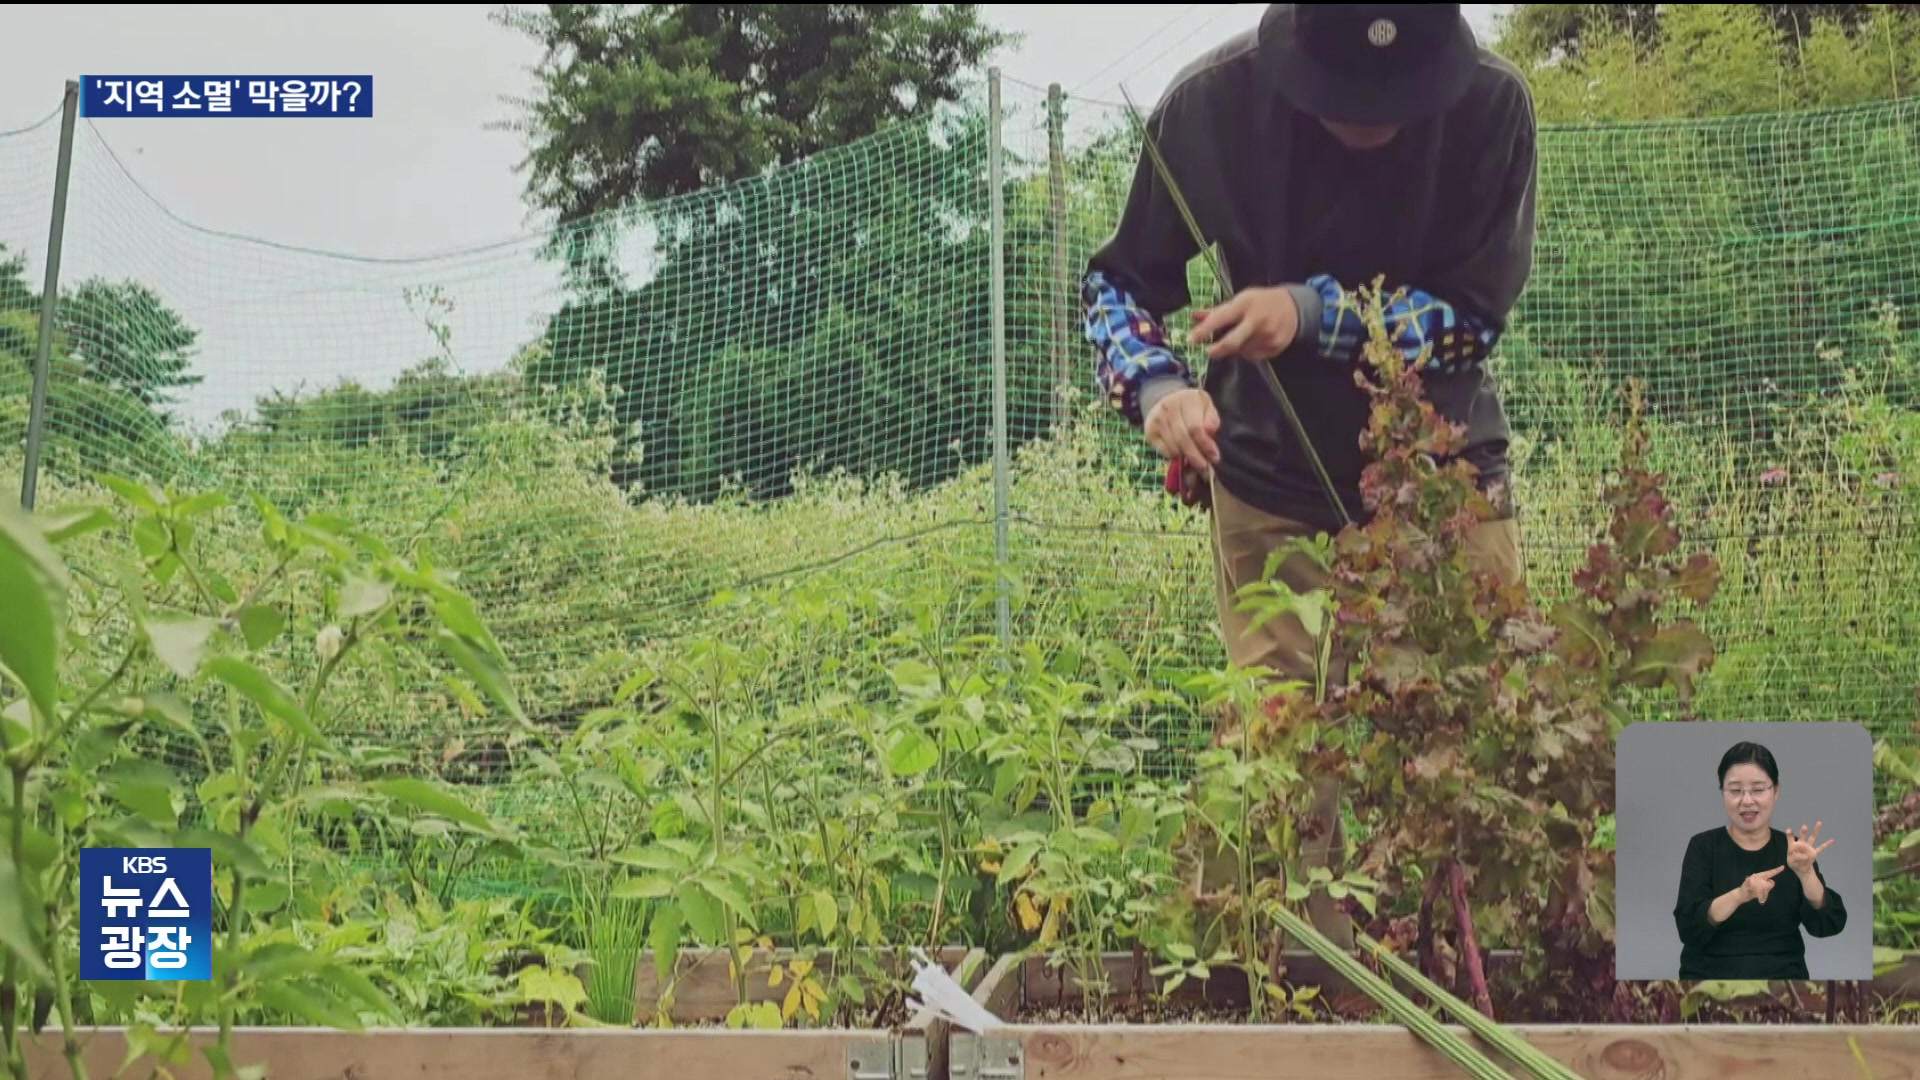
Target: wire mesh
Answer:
pixel 1751 274
pixel 791 378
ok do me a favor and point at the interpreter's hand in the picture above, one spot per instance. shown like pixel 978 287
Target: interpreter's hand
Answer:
pixel 1258 325
pixel 1182 425
pixel 1800 849
pixel 1757 886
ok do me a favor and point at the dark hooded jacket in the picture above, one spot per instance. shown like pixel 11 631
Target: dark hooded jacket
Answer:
pixel 1445 213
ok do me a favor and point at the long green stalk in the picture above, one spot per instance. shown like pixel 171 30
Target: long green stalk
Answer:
pixel 1216 262
pixel 1859 1058
pixel 1530 1057
pixel 1402 1008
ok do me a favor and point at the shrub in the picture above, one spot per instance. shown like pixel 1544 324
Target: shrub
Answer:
pixel 1471 725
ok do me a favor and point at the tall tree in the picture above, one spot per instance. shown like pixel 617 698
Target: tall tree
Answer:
pixel 15 293
pixel 794 289
pixel 1538 32
pixel 119 334
pixel 1790 227
pixel 123 335
pixel 1630 62
pixel 653 100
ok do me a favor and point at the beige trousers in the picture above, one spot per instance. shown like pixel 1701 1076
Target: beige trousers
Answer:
pixel 1243 538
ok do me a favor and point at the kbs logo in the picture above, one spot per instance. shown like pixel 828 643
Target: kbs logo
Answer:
pixel 146 914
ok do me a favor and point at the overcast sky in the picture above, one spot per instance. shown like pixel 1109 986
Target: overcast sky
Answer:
pixel 288 242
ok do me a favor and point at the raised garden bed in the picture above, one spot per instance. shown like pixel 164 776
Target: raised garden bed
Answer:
pixel 915 1041
pixel 901 1043
pixel 1201 1031
pixel 502 1054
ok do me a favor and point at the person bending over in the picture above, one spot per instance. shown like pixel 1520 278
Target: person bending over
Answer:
pixel 1329 146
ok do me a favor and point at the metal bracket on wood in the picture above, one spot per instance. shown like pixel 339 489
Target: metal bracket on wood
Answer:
pixel 910 1059
pixel 976 1057
pixel 871 1061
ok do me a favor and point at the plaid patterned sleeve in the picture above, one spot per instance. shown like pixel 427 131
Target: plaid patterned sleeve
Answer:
pixel 1130 348
pixel 1414 319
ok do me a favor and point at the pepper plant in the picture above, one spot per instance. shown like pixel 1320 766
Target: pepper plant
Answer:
pixel 113 652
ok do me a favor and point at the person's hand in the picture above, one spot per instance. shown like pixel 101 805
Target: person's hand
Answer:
pixel 1258 325
pixel 1182 425
pixel 1757 886
pixel 1800 849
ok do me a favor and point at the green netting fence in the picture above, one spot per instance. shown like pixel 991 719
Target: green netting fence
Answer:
pixel 803 376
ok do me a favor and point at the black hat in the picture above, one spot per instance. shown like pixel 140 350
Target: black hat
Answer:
pixel 1369 63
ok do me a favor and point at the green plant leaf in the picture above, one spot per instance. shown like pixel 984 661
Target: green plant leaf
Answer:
pixel 63 523
pixel 910 752
pixel 310 1004
pixel 1730 989
pixel 915 678
pixel 1017 863
pixel 457 613
pixel 480 666
pixel 827 911
pixel 728 894
pixel 663 938
pixel 650 887
pixel 658 857
pixel 278 960
pixel 231 849
pixel 328 524
pixel 15 931
pixel 40 850
pixel 273 524
pixel 702 913
pixel 142 1039
pixel 1886 960
pixel 180 640
pixel 544 986
pixel 137 495
pixel 203 504
pixel 1312 608
pixel 754 1016
pixel 33 590
pixel 260 688
pixel 355 984
pixel 150 800
pixel 267 897
pixel 260 624
pixel 363 596
pixel 433 799
pixel 170 710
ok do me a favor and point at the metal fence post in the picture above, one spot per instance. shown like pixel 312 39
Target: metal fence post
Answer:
pixel 49 300
pixel 1060 321
pixel 996 122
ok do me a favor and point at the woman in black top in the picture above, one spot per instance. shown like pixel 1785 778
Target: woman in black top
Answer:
pixel 1747 889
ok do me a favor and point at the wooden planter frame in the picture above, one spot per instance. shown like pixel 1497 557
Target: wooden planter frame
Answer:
pixel 704 991
pixel 703 994
pixel 926 1049
pixel 1308 1051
